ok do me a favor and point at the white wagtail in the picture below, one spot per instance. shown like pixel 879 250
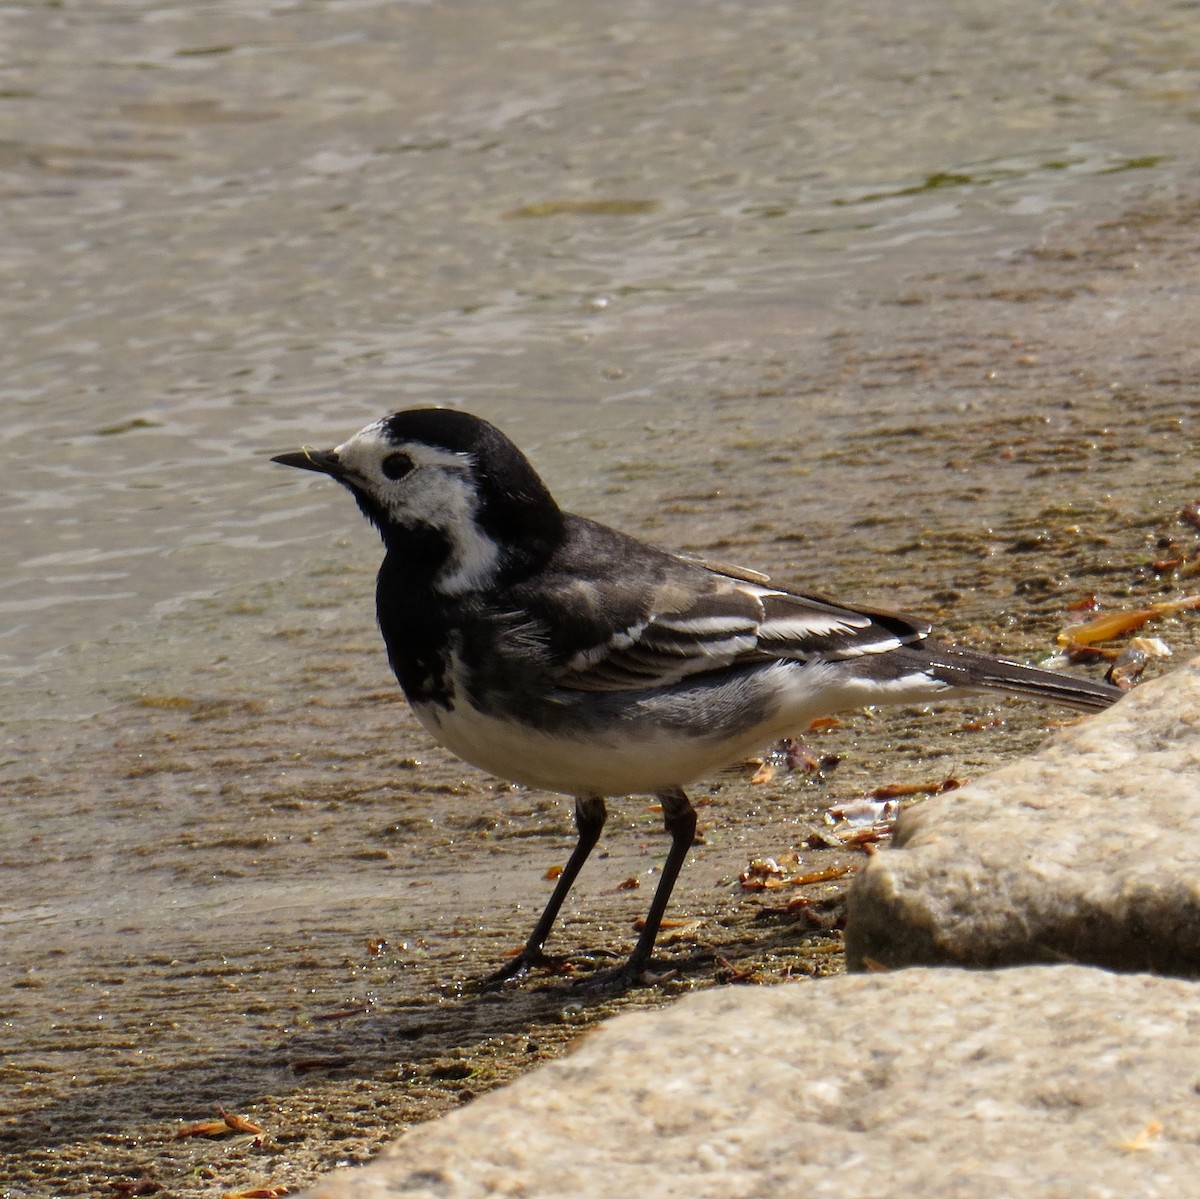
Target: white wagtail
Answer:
pixel 556 652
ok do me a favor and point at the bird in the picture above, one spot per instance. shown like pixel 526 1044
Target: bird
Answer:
pixel 555 652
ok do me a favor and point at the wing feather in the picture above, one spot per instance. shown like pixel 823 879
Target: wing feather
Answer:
pixel 732 619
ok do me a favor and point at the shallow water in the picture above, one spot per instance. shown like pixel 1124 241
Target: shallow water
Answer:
pixel 236 228
pixel 837 293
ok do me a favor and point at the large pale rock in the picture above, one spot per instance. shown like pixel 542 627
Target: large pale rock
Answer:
pixel 1060 1082
pixel 1087 852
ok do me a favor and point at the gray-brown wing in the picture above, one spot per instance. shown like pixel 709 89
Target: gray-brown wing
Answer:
pixel 728 622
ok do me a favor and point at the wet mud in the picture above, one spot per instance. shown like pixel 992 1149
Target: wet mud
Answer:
pixel 297 893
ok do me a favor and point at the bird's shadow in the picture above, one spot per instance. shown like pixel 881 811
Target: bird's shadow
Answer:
pixel 409 1042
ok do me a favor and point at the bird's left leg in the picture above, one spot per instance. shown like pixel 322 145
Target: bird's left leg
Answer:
pixel 590 815
pixel 679 818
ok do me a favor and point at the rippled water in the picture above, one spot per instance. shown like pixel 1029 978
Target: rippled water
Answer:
pixel 232 228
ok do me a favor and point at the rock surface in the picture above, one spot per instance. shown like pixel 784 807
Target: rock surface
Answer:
pixel 1048 1081
pixel 1089 851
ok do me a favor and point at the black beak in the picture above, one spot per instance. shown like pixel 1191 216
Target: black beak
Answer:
pixel 325 462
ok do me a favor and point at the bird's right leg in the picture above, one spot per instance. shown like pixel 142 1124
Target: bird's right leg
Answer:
pixel 590 815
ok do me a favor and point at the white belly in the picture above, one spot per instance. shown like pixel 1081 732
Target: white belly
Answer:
pixel 641 752
pixel 621 766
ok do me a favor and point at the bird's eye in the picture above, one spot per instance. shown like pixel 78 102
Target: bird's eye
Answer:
pixel 396 466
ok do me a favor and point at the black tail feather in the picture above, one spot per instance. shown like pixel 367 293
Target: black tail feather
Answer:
pixel 975 671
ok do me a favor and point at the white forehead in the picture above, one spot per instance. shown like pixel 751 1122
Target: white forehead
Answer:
pixel 363 454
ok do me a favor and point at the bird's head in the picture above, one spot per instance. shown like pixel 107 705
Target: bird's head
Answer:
pixel 448 492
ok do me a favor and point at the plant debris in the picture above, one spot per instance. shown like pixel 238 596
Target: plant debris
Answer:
pixel 727 972
pixel 1117 624
pixel 1143 1139
pixel 899 790
pixel 791 754
pixel 229 1122
pixel 768 874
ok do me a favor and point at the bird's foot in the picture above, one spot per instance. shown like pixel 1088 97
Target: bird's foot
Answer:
pixel 520 964
pixel 623 978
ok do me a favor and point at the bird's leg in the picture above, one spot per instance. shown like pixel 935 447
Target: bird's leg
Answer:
pixel 679 818
pixel 590 815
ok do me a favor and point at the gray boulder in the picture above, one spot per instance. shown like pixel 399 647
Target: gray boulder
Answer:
pixel 1089 851
pixel 1060 1082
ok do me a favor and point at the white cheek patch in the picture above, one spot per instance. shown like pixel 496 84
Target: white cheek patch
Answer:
pixel 474 556
pixel 438 494
pixel 441 495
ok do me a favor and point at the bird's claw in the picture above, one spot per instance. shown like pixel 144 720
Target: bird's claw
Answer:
pixel 520 964
pixel 624 977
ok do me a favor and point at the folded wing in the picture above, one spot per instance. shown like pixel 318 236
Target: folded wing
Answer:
pixel 732 619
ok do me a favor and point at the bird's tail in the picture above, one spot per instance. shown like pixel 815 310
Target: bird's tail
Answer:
pixel 973 671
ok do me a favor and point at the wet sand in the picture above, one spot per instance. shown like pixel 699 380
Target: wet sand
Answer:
pixel 297 891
